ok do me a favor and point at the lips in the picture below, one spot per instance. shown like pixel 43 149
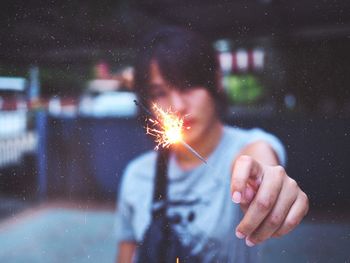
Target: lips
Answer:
pixel 189 123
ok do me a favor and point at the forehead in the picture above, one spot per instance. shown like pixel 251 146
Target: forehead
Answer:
pixel 156 79
pixel 155 75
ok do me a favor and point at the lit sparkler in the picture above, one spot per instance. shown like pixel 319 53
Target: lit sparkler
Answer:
pixel 167 128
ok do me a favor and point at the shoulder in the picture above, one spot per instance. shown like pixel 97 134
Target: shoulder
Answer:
pixel 238 138
pixel 245 137
pixel 248 135
pixel 139 171
pixel 141 165
pixel 146 159
pixel 234 131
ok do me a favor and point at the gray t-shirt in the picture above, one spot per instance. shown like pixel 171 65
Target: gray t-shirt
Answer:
pixel 201 197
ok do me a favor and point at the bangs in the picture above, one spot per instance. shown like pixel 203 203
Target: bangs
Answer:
pixel 186 66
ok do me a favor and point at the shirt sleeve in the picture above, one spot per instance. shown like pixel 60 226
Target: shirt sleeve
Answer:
pixel 258 134
pixel 124 212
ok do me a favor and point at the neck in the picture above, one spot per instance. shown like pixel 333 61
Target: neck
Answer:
pixel 204 145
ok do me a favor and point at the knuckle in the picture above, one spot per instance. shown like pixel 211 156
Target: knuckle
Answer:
pixel 304 198
pixel 245 159
pixel 274 221
pixel 305 201
pixel 246 228
pixel 236 184
pixel 293 184
pixel 277 234
pixel 280 171
pixel 291 223
pixel 263 204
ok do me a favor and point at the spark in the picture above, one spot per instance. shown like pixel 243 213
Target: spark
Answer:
pixel 167 128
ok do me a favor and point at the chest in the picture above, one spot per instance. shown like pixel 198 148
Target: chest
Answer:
pixel 200 206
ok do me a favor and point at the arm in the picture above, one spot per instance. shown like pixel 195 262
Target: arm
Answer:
pixel 126 252
pixel 261 152
pixel 272 202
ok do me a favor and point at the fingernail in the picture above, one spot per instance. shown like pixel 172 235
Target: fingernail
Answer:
pixel 240 235
pixel 249 243
pixel 236 197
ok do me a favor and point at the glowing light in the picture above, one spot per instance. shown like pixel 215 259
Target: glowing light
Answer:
pixel 167 128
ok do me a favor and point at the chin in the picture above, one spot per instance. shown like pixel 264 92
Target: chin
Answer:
pixel 191 137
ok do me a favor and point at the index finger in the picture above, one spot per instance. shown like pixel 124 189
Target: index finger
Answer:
pixel 245 168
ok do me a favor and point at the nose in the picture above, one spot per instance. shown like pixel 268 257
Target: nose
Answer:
pixel 178 103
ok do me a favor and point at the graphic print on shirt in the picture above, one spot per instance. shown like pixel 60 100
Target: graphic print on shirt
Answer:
pixel 193 220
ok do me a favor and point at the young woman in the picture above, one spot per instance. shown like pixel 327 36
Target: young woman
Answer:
pixel 240 198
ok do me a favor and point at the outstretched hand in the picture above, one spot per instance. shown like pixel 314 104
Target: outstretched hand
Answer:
pixel 272 202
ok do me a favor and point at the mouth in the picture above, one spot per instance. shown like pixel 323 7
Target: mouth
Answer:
pixel 188 123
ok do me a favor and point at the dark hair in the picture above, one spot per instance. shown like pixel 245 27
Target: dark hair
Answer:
pixel 185 60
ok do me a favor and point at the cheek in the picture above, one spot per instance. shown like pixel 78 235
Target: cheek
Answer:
pixel 161 102
pixel 206 106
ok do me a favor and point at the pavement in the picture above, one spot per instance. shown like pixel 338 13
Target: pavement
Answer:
pixel 61 232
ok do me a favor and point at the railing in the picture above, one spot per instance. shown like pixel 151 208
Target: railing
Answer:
pixel 13 149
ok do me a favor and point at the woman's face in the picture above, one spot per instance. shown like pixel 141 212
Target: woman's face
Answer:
pixel 195 104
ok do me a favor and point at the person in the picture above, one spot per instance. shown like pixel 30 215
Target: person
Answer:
pixel 225 208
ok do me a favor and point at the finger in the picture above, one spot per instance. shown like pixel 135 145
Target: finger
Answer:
pixel 244 168
pixel 296 213
pixel 262 204
pixel 275 219
pixel 247 197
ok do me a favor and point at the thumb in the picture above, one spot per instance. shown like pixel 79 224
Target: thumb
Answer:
pixel 247 197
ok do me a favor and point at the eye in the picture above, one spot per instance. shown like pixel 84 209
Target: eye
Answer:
pixel 158 93
pixel 187 91
pixel 190 89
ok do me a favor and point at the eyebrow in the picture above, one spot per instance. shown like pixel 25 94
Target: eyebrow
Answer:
pixel 155 86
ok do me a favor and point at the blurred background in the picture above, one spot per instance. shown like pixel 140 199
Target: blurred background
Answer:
pixel 68 124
